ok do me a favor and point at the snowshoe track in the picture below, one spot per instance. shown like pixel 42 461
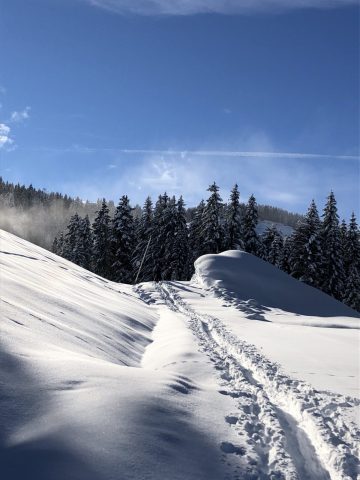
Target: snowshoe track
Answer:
pixel 287 429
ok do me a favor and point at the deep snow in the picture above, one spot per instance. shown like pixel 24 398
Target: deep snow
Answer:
pixel 243 373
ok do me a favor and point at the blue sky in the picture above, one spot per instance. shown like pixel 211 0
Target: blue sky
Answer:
pixel 106 97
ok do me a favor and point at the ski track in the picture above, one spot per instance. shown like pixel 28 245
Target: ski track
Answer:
pixel 286 429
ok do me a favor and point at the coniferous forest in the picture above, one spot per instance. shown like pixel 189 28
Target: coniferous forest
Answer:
pixel 162 244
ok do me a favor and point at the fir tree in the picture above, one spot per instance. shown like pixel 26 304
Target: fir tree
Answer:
pixel 196 242
pixel 181 243
pixel 168 234
pixel 284 262
pixel 233 222
pixel 85 243
pixel 60 244
pixel 267 239
pixel 102 256
pixel 332 261
pixel 144 234
pixel 122 242
pixel 72 246
pixel 306 256
pixel 250 221
pixel 352 246
pixel 212 229
pixel 272 246
pixel 352 291
pixel 352 265
pixel 343 232
pixel 158 242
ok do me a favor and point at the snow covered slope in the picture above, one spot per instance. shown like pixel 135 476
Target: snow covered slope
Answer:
pixel 74 400
pixel 242 373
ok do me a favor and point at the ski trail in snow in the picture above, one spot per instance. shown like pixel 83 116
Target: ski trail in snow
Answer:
pixel 289 429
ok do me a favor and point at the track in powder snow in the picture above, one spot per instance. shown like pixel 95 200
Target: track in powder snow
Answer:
pixel 269 407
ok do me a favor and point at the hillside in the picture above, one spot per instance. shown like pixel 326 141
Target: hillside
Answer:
pixel 244 372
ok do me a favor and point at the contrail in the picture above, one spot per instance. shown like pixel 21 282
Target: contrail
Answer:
pixel 234 153
pixel 198 153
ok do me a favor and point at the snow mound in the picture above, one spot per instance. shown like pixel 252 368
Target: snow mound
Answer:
pixel 257 286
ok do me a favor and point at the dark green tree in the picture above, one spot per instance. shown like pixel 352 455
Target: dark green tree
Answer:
pixel 123 242
pixel 102 254
pixel 332 271
pixel 212 228
pixel 233 221
pixel 251 240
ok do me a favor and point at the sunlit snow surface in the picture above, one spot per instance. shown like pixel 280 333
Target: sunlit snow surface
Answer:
pixel 100 381
pixel 310 334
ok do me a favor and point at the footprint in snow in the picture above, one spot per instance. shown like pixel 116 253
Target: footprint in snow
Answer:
pixel 231 420
pixel 229 448
pixel 235 394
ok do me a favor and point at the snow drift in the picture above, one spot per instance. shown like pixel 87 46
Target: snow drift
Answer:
pixel 250 279
pixel 312 336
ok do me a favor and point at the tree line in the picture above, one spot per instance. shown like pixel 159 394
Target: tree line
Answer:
pixel 38 215
pixel 161 244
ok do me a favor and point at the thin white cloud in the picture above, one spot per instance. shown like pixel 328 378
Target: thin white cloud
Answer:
pixel 191 7
pixel 2 90
pixel 5 139
pixel 247 154
pixel 20 116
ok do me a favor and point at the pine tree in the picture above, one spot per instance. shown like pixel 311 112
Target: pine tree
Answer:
pixel 332 261
pixel 72 247
pixel 77 245
pixel 343 232
pixel 60 245
pixel 306 256
pixel 196 241
pixel 122 242
pixel 352 265
pixel 85 243
pixel 233 222
pixel 212 229
pixel 250 237
pixel 158 246
pixel 181 243
pixel 352 246
pixel 352 291
pixel 284 262
pixel 272 246
pixel 267 239
pixel 168 234
pixel 144 235
pixel 102 255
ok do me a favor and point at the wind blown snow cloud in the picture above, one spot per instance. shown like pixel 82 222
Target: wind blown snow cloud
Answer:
pixel 191 7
